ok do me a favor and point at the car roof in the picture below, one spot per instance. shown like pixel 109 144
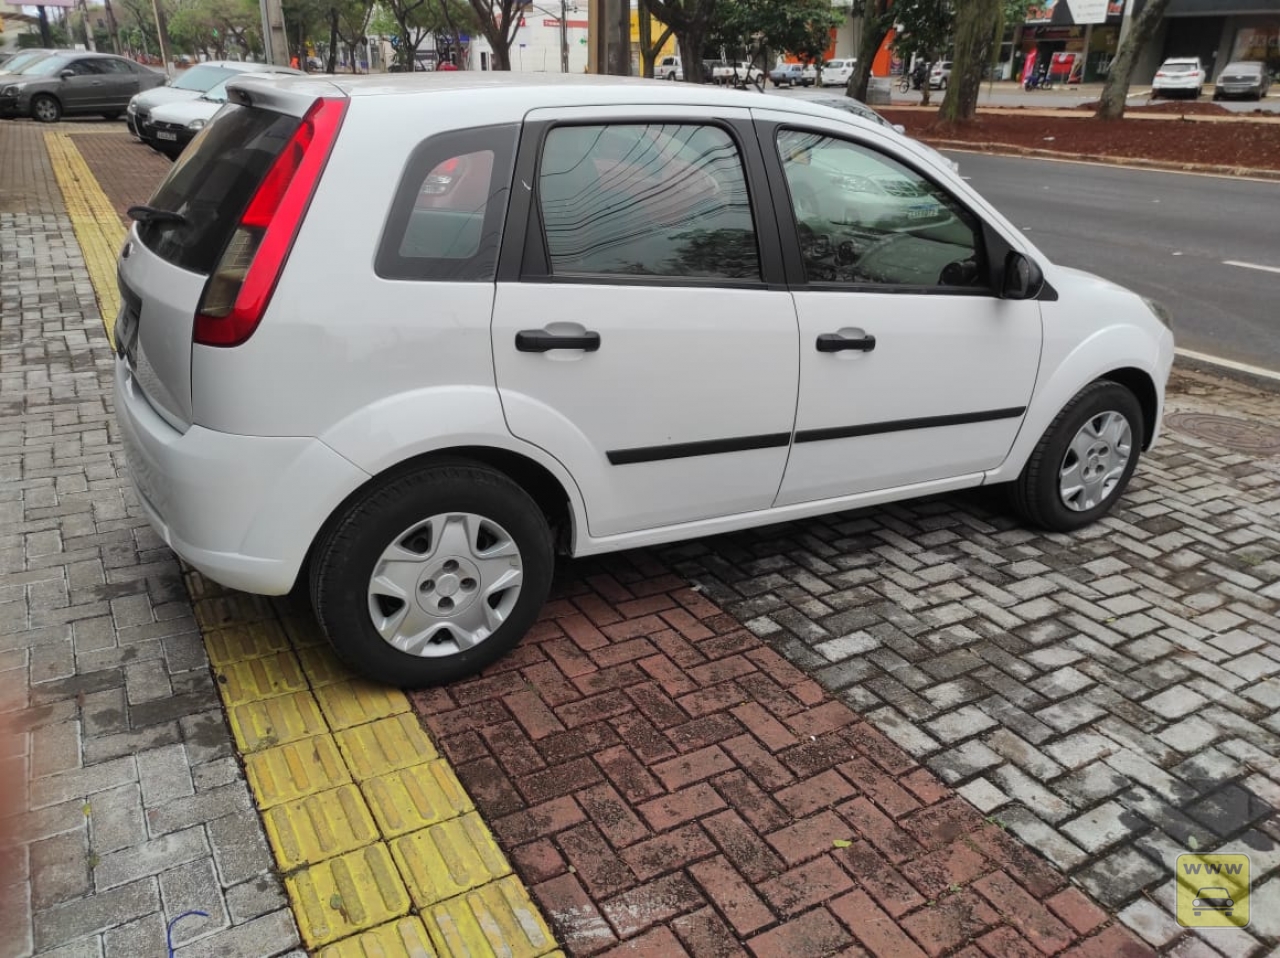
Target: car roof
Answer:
pixel 542 89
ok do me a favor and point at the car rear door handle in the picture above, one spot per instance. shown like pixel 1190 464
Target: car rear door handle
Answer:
pixel 541 341
pixel 835 343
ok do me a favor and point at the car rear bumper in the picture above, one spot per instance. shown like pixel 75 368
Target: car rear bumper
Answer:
pixel 1237 89
pixel 1190 83
pixel 243 510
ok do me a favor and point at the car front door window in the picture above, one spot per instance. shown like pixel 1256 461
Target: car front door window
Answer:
pixel 865 219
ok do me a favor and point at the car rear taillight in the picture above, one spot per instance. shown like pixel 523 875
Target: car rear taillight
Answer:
pixel 240 288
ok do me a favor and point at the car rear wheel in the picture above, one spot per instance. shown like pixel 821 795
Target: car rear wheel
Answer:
pixel 1084 460
pixel 46 109
pixel 433 574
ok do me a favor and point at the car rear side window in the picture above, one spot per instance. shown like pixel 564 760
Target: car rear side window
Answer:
pixel 212 182
pixel 446 220
pixel 647 199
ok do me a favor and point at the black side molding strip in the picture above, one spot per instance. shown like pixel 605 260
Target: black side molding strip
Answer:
pixel 684 450
pixel 901 425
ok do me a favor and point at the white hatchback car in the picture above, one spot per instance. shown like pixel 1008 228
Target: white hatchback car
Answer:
pixel 836 72
pixel 403 339
pixel 1180 76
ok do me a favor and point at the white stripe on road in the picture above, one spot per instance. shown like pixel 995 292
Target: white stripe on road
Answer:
pixel 1230 364
pixel 1265 269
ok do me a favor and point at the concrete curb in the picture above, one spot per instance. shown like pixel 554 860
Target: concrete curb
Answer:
pixel 1010 149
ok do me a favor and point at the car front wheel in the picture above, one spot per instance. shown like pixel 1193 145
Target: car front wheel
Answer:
pixel 46 109
pixel 1084 460
pixel 433 574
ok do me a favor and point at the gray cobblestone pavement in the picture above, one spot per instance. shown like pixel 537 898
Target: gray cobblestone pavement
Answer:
pixel 1112 697
pixel 135 808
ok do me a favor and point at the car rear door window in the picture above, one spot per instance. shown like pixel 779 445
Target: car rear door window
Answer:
pixel 446 219
pixel 211 185
pixel 862 218
pixel 646 199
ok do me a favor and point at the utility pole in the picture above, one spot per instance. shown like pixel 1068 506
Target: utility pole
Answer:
pixel 564 39
pixel 274 40
pixel 88 33
pixel 113 28
pixel 162 35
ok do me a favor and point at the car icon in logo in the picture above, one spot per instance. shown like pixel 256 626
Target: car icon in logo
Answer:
pixel 1213 899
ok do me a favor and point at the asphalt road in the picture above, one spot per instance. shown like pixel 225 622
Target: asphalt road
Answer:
pixel 1169 236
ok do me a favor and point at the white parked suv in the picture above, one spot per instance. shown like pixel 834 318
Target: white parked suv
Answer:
pixel 1180 76
pixel 403 339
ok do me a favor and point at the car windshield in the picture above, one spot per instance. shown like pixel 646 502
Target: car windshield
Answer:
pixel 20 61
pixel 46 67
pixel 1182 66
pixel 834 64
pixel 217 94
pixel 204 77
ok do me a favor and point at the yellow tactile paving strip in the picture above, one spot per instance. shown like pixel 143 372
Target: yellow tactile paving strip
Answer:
pixel 381 849
pixel 97 227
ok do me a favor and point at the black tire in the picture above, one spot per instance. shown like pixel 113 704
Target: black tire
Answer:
pixel 46 108
pixel 352 543
pixel 1034 494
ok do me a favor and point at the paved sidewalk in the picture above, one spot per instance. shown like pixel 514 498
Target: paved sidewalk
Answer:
pixel 136 809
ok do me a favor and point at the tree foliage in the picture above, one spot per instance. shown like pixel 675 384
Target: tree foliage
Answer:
pixel 754 29
pixel 692 21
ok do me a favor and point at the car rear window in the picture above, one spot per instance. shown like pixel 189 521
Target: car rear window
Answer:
pixel 204 77
pixel 446 220
pixel 1182 65
pixel 212 182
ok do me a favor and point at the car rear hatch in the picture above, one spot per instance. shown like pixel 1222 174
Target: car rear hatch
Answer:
pixel 217 231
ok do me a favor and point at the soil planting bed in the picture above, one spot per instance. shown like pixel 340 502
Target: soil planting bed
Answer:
pixel 1235 145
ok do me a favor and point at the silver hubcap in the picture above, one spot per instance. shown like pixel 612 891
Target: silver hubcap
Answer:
pixel 1095 461
pixel 445 585
pixel 46 110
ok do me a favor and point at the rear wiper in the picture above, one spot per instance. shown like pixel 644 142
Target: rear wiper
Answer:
pixel 151 214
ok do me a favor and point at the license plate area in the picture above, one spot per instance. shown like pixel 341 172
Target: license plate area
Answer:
pixel 164 135
pixel 127 325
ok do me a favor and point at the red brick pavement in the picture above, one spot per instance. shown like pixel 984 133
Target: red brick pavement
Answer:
pixel 128 171
pixel 667 784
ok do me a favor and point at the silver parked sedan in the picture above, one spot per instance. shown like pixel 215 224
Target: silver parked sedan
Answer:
pixel 75 84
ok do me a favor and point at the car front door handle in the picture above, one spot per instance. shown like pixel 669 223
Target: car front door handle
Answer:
pixel 541 341
pixel 835 343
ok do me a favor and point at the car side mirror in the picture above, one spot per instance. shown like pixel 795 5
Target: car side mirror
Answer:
pixel 899 128
pixel 1023 279
pixel 67 74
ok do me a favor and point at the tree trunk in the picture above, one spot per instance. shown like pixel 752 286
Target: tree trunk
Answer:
pixel 977 23
pixel 1116 90
pixel 690 42
pixel 874 29
pixel 332 66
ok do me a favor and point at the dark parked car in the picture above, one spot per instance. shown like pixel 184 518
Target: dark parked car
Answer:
pixel 70 84
pixel 1248 79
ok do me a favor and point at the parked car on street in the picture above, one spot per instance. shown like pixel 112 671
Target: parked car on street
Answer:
pixel 190 85
pixel 1248 79
pixel 856 325
pixel 75 84
pixel 793 74
pixel 940 75
pixel 171 126
pixel 668 68
pixel 849 105
pixel 736 74
pixel 836 72
pixel 1179 76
